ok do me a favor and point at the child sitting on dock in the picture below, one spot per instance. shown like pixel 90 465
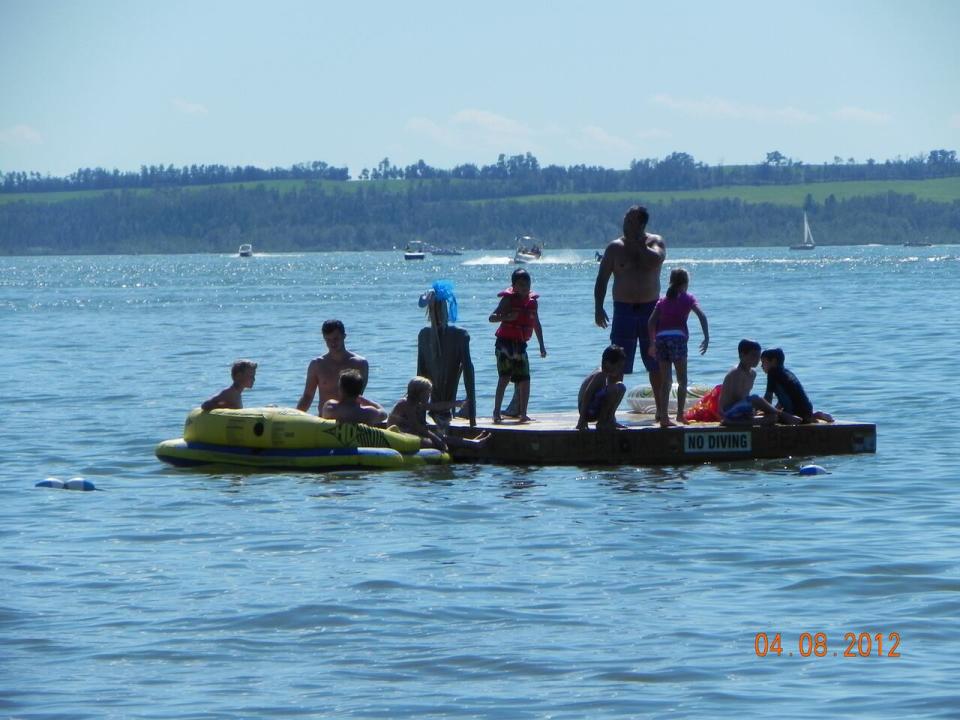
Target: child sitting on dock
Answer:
pixel 518 316
pixel 602 390
pixel 350 407
pixel 410 416
pixel 787 388
pixel 737 405
pixel 244 374
pixel 668 334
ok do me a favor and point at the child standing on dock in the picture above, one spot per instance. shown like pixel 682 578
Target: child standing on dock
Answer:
pixel 602 390
pixel 244 374
pixel 518 316
pixel 785 385
pixel 668 334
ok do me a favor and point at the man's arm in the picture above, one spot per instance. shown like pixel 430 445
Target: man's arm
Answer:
pixel 309 388
pixel 600 288
pixel 652 331
pixel 364 367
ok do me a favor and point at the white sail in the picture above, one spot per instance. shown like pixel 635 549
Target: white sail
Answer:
pixel 807 235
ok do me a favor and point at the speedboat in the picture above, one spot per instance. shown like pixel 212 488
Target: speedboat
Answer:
pixel 528 250
pixel 246 250
pixel 414 251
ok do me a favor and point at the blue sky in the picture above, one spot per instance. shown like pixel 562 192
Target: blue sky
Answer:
pixel 87 83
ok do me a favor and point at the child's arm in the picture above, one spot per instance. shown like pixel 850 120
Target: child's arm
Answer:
pixel 703 326
pixel 444 405
pixel 538 331
pixel 503 313
pixel 652 331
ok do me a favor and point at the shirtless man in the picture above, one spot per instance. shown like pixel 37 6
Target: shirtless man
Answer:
pixel 323 373
pixel 634 260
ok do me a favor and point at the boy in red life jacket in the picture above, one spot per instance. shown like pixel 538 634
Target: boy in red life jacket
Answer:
pixel 517 315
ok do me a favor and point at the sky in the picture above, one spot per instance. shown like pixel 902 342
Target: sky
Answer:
pixel 124 83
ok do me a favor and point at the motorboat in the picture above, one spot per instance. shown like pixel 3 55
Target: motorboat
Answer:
pixel 528 250
pixel 414 251
pixel 246 250
pixel 917 243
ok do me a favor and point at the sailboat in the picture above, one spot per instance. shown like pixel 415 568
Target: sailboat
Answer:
pixel 808 243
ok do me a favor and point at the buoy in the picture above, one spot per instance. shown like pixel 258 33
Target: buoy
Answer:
pixel 812 470
pixel 76 483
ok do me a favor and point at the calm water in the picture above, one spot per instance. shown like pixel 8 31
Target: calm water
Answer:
pixel 468 591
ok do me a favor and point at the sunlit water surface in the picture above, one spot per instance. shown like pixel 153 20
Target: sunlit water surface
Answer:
pixel 469 591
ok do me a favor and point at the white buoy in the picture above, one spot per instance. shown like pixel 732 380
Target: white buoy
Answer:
pixel 75 483
pixel 812 470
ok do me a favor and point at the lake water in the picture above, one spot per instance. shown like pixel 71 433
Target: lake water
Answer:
pixel 470 591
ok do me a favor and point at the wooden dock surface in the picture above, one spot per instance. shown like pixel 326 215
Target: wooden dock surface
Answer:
pixel 552 439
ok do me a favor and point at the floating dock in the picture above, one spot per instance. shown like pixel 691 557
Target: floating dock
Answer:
pixel 552 439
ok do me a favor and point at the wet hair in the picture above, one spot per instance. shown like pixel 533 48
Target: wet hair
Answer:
pixel 240 367
pixel 350 382
pixel 330 325
pixel 746 346
pixel 518 274
pixel 773 354
pixel 612 354
pixel 678 277
pixel 635 215
pixel 419 387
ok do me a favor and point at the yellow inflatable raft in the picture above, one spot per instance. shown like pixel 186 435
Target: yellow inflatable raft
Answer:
pixel 283 438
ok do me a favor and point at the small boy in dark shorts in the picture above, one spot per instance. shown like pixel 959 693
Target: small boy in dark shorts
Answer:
pixel 790 394
pixel 602 390
pixel 244 374
pixel 518 316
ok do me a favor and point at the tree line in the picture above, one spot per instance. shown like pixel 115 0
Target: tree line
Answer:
pixel 373 217
pixel 511 176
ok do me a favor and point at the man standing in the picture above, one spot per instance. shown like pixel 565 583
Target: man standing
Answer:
pixel 323 373
pixel 634 260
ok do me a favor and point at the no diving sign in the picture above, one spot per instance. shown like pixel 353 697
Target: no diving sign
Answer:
pixel 716 442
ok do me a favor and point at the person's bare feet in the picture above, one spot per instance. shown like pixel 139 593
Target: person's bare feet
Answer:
pixel 789 419
pixel 524 419
pixel 497 418
pixel 667 423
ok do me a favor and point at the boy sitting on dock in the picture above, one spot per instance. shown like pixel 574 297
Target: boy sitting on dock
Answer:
pixel 244 374
pixel 602 390
pixel 350 407
pixel 737 405
pixel 410 416
pixel 787 388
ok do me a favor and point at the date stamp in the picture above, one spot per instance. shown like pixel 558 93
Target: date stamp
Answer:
pixel 817 644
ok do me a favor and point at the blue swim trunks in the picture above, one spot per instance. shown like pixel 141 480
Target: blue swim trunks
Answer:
pixel 629 328
pixel 740 410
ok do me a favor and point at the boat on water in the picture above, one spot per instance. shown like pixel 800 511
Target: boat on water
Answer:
pixel 917 243
pixel 436 250
pixel 808 243
pixel 414 251
pixel 246 250
pixel 528 250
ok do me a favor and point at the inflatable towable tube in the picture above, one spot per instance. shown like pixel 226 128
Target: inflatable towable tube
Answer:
pixel 284 438
pixel 276 428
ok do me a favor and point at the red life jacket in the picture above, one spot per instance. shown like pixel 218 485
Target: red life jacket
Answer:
pixel 521 328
